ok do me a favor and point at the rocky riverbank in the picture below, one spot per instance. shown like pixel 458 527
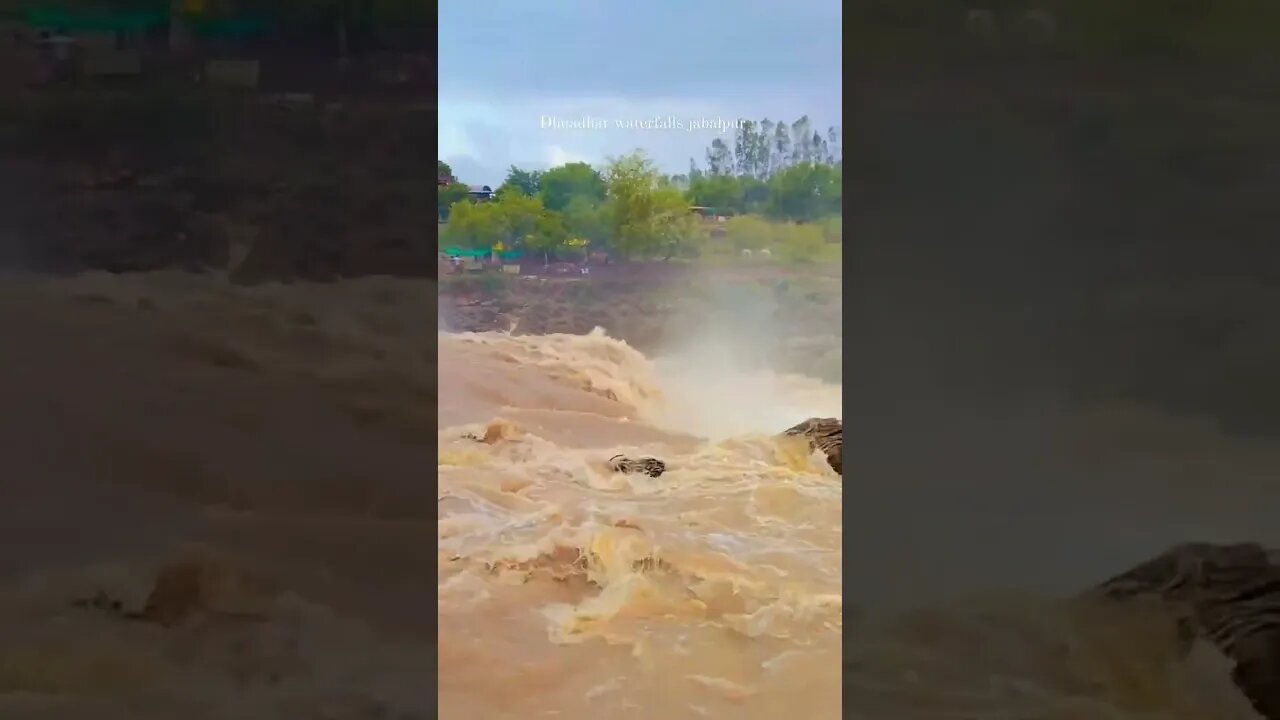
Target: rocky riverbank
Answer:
pixel 789 320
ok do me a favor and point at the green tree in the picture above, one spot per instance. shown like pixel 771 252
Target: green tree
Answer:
pixel 584 218
pixel 521 214
pixel 781 150
pixel 745 147
pixel 475 226
pixel 548 237
pixel 443 170
pixel 802 150
pixel 525 181
pixel 513 219
pixel 643 216
pixel 719 158
pixel 560 186
pixel 761 150
pixel 722 192
pixel 764 149
pixel 756 194
pixel 676 230
pixel 449 195
pixel 805 192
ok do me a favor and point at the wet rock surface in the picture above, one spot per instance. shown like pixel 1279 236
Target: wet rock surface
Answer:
pixel 1225 594
pixel 793 324
pixel 653 467
pixel 825 434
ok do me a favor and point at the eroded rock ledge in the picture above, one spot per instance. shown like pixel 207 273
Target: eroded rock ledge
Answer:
pixel 1227 595
pixel 825 434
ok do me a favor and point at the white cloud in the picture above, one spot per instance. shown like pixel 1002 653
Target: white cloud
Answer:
pixel 557 155
pixel 493 135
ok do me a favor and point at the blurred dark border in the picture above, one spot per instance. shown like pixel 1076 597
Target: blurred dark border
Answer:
pixel 1060 283
pixel 278 141
pixel 1064 198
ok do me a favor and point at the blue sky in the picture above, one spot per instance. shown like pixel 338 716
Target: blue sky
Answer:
pixel 510 67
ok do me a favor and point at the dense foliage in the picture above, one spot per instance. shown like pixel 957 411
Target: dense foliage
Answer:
pixel 778 188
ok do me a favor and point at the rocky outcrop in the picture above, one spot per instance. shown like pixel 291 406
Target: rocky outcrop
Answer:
pixel 533 306
pixel 1227 595
pixel 653 467
pixel 825 434
pixel 656 315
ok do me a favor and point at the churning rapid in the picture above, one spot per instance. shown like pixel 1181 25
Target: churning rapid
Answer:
pixel 279 439
pixel 715 590
pixel 568 590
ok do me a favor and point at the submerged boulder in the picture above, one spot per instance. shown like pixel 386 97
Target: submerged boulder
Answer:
pixel 825 434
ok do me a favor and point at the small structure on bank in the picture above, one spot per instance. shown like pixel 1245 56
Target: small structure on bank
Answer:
pixel 480 259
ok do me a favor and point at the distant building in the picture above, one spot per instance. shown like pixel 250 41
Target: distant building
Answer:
pixel 445 180
pixel 481 193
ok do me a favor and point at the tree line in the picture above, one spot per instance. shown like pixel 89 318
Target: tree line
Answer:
pixel 783 171
pixel 629 209
pixel 762 149
pixel 632 210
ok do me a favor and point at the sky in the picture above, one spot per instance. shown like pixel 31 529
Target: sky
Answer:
pixel 539 84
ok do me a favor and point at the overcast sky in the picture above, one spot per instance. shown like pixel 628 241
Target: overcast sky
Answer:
pixel 509 67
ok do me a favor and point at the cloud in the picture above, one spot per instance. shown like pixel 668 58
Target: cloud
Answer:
pixel 467 169
pixel 661 47
pixel 592 129
pixel 613 63
pixel 557 155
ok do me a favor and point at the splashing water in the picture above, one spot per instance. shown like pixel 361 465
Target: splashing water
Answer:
pixel 716 590
pixel 711 590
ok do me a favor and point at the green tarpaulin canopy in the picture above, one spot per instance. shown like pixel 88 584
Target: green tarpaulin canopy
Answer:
pixel 461 253
pixel 481 254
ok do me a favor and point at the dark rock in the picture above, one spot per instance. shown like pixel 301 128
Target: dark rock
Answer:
pixel 652 467
pixel 1228 595
pixel 825 434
